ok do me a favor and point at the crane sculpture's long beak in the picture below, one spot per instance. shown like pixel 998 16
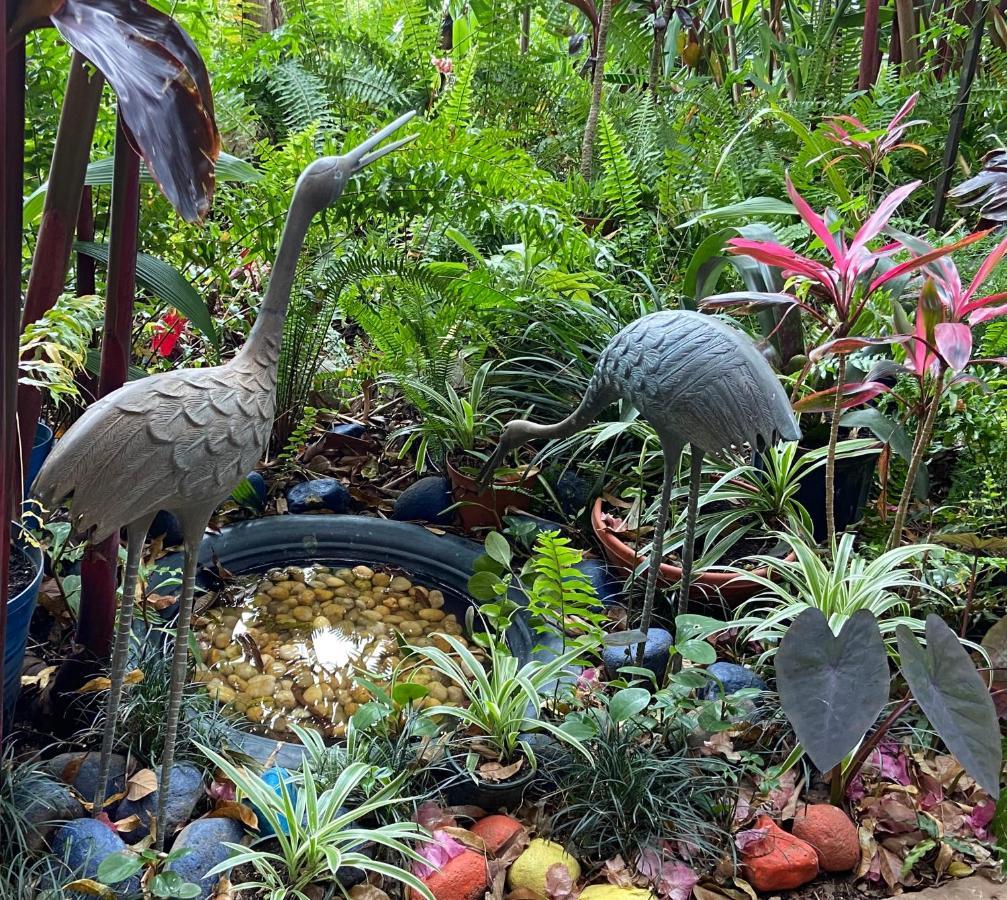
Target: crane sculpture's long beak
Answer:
pixel 365 154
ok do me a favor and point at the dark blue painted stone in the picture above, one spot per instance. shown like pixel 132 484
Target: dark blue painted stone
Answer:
pixel 656 654
pixel 321 494
pixel 184 792
pixel 425 501
pixel 573 492
pixel 84 769
pixel 166 527
pixel 733 677
pixel 350 429
pixel 258 484
pixel 204 840
pixel 606 585
pixel 83 844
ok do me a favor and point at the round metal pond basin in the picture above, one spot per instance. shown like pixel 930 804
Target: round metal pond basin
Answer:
pixel 444 562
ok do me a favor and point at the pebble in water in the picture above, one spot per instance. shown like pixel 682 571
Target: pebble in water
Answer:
pixel 290 648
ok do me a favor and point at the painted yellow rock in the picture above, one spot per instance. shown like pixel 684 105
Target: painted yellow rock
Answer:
pixel 529 869
pixel 614 892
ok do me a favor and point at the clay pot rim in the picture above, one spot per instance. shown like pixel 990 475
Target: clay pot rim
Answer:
pixel 526 475
pixel 668 571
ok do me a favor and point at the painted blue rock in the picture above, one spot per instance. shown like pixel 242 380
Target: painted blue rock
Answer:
pixel 656 653
pixel 80 770
pixel 184 792
pixel 83 845
pixel 166 527
pixel 425 501
pixel 573 492
pixel 273 777
pixel 606 585
pixel 350 429
pixel 732 678
pixel 204 840
pixel 321 494
pixel 43 806
pixel 258 484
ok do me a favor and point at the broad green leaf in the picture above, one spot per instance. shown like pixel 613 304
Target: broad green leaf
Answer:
pixel 955 699
pixel 481 586
pixel 697 651
pixel 407 691
pixel 753 206
pixel 832 687
pixel 627 703
pixel 498 549
pixel 166 283
pixel 118 867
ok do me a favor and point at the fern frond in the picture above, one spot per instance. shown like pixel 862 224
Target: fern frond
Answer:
pixel 302 98
pixel 620 185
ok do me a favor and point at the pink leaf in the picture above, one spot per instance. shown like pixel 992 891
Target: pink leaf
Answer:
pixel 919 262
pixel 431 816
pixel 673 880
pixel 988 312
pixel 814 221
pixel 751 839
pixel 980 818
pixel 989 264
pixel 886 209
pixel 442 849
pixel 853 394
pixel 843 345
pixel 559 884
pixel 907 108
pixel 954 342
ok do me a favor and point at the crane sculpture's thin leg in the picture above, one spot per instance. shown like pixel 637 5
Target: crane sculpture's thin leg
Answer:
pixel 671 456
pixel 688 551
pixel 179 666
pixel 136 534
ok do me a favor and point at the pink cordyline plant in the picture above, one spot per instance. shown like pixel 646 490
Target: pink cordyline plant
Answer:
pixel 837 294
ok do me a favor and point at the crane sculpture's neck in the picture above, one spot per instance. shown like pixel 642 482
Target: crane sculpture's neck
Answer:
pixel 262 349
pixel 592 404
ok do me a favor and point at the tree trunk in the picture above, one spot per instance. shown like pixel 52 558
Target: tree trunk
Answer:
pixel 525 30
pixel 591 128
pixel 870 58
pixel 98 570
pixel 732 49
pixel 957 122
pixel 12 65
pixel 906 13
pixel 895 43
pixel 51 258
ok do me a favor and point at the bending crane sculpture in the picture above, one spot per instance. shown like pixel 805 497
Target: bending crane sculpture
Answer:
pixel 698 382
pixel 182 441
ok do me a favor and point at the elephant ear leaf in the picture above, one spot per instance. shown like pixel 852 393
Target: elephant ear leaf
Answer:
pixel 832 687
pixel 954 698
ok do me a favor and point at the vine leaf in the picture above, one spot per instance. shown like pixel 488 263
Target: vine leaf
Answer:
pixel 954 698
pixel 832 687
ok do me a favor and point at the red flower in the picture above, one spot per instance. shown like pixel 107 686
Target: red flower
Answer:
pixel 166 334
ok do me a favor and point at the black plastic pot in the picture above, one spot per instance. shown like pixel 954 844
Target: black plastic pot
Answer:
pixel 462 788
pixel 443 561
pixel 854 479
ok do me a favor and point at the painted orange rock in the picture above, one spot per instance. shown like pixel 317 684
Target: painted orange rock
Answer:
pixel 463 878
pixel 779 861
pixel 829 830
pixel 496 831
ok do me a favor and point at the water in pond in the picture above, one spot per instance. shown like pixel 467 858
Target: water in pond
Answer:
pixel 289 648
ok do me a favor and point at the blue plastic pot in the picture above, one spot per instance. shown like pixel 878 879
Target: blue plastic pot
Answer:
pixel 39 451
pixel 19 612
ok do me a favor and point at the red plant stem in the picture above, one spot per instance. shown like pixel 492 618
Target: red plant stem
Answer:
pixel 98 569
pixel 12 71
pixel 59 217
pixel 870 58
pixel 868 746
pixel 969 596
pixel 85 232
pixel 830 460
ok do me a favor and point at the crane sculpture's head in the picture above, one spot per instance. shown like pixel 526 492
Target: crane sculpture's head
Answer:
pixel 325 179
pixel 515 433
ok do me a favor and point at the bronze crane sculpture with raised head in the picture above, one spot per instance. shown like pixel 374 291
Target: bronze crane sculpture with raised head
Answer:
pixel 182 441
pixel 697 381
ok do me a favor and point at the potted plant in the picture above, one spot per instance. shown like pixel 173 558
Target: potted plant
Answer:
pixel 458 430
pixel 490 760
pixel 741 514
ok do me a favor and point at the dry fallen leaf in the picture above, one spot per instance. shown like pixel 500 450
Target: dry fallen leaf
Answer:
pixel 142 784
pixel 230 809
pixel 89 887
pixel 493 771
pixel 134 677
pixel 130 823
pixel 367 892
pixel 466 838
pixel 224 892
pixel 40 678
pixel 101 683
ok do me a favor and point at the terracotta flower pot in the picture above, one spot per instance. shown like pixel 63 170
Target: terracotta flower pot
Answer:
pixel 484 508
pixel 712 588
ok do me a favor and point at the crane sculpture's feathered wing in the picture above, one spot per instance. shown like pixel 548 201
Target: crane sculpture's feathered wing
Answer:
pixel 175 439
pixel 698 378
